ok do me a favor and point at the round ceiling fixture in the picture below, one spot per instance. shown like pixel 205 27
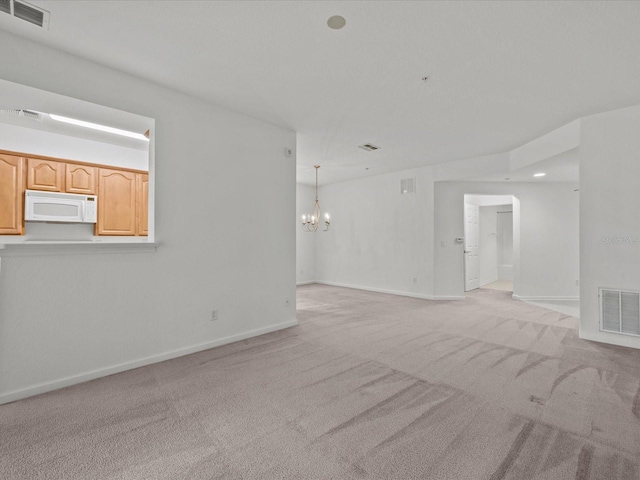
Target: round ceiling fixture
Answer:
pixel 336 22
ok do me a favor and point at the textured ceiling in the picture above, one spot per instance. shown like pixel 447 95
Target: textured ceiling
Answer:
pixel 500 73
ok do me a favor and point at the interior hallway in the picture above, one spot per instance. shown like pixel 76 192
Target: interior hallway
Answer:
pixel 367 386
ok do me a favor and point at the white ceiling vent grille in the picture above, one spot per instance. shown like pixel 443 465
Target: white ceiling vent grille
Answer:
pixel 37 116
pixel 407 185
pixel 620 311
pixel 25 11
pixel 369 147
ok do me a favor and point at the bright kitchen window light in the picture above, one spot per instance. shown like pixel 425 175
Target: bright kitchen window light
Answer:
pixel 539 174
pixel 96 126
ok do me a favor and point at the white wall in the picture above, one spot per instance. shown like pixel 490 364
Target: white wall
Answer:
pixel 556 142
pixel 488 200
pixel 547 217
pixel 305 241
pixel 28 140
pixel 379 239
pixel 488 244
pixel 68 318
pixel 609 219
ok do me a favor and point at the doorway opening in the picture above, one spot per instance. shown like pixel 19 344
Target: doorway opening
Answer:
pixel 488 242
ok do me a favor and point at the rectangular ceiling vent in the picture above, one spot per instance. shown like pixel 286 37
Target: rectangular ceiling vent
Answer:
pixel 37 116
pixel 25 11
pixel 369 147
pixel 620 311
pixel 407 185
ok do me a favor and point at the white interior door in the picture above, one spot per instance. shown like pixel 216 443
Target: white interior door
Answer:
pixel 471 234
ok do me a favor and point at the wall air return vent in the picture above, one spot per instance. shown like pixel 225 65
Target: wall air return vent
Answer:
pixel 37 116
pixel 620 311
pixel 407 185
pixel 25 11
pixel 369 147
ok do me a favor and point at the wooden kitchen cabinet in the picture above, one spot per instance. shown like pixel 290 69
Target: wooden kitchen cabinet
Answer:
pixel 12 181
pixel 123 195
pixel 45 175
pixel 117 197
pixel 142 203
pixel 80 179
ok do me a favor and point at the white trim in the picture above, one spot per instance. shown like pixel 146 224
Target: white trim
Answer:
pixel 121 367
pixel 447 297
pixel 73 248
pixel 613 338
pixel 390 292
pixel 377 290
pixel 545 299
pixel 307 282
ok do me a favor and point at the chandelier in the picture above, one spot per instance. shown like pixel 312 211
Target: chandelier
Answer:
pixel 310 222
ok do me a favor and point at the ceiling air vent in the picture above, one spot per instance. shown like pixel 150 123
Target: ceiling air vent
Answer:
pixel 620 311
pixel 369 147
pixel 407 185
pixel 37 116
pixel 25 11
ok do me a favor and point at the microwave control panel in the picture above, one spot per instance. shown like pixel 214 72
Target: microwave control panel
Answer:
pixel 91 212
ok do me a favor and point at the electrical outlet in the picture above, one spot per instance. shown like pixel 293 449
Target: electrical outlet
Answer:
pixel 415 279
pixel 214 315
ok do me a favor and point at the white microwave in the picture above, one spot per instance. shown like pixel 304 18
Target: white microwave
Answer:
pixel 60 207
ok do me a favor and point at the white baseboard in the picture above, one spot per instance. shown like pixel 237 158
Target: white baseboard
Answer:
pixel 308 282
pixel 121 367
pixel 611 338
pixel 390 292
pixel 377 290
pixel 525 298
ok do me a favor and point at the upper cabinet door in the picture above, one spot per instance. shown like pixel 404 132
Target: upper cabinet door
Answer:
pixel 80 179
pixel 116 202
pixel 45 175
pixel 11 194
pixel 143 203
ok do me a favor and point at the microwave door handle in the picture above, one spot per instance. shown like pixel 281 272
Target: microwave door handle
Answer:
pixel 82 212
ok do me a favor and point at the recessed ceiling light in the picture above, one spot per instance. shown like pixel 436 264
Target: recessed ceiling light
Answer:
pixel 539 174
pixel 336 22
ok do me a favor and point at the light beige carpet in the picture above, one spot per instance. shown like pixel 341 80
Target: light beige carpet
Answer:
pixel 367 386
